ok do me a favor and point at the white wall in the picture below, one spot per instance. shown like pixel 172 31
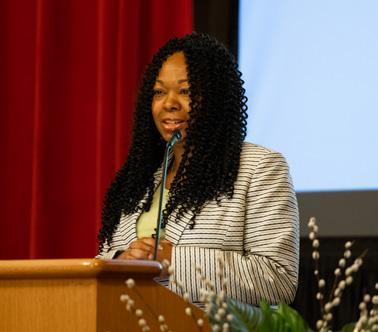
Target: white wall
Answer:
pixel 311 73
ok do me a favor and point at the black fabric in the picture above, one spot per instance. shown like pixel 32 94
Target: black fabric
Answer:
pixel 331 250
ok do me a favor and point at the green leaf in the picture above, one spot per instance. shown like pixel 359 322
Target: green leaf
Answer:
pixel 283 319
pixel 245 317
pixel 348 327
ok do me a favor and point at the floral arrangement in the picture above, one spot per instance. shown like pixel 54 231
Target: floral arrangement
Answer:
pixel 226 314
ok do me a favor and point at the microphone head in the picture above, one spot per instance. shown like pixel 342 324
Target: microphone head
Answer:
pixel 176 136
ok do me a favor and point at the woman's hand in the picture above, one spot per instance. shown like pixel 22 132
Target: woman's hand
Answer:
pixel 138 249
pixel 144 249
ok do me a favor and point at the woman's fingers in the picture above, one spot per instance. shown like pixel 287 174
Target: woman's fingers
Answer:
pixel 141 245
pixel 138 254
pixel 144 249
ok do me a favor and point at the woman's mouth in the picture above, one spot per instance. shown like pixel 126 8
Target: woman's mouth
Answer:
pixel 172 124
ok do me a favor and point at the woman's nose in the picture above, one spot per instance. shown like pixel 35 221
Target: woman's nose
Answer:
pixel 171 102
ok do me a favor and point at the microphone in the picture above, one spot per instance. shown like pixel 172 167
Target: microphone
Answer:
pixel 176 136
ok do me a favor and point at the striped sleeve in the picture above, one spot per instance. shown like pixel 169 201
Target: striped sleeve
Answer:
pixel 106 252
pixel 267 268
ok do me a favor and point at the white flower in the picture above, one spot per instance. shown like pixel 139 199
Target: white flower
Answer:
pixel 200 322
pixel 354 268
pixel 348 271
pixel 348 244
pixel 138 313
pixel 226 327
pixel 342 284
pixel 312 222
pixel 142 322
pixel 321 283
pixel 362 306
pixel 221 312
pixel 311 235
pixel 358 261
pixel 161 319
pixel 188 311
pixel 347 253
pixel 337 272
pixel 185 297
pixel 342 262
pixel 349 280
pixel 366 298
pixel 315 255
pixel 315 243
pixel 229 317
pixel 130 283
pixel 124 297
pixel 328 306
pixel 319 324
pixel 336 301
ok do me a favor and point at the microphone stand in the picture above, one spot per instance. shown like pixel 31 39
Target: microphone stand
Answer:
pixel 176 136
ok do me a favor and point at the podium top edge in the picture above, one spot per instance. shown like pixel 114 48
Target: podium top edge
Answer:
pixel 77 268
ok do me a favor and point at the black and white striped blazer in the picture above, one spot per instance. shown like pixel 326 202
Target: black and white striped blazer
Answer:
pixel 256 233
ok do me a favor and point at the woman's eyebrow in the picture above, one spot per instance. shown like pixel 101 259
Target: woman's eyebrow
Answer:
pixel 179 81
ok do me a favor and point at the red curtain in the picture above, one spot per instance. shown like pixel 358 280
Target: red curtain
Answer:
pixel 69 71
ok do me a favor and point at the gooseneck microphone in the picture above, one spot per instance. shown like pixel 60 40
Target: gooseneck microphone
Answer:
pixel 176 136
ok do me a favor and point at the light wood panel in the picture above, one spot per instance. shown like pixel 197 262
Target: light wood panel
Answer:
pixel 84 295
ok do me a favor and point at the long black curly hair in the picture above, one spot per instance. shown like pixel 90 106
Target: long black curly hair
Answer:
pixel 215 133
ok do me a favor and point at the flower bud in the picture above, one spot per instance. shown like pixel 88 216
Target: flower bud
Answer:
pixel 130 283
pixel 328 306
pixel 348 244
pixel 347 253
pixel 315 255
pixel 349 280
pixel 138 313
pixel 311 222
pixel 342 262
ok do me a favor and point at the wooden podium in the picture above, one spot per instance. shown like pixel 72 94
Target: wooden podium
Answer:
pixel 83 295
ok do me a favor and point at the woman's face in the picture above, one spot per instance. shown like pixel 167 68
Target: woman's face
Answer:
pixel 170 104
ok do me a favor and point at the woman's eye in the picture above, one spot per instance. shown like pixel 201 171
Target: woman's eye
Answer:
pixel 184 91
pixel 158 92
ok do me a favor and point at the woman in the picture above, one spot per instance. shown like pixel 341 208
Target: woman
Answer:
pixel 223 197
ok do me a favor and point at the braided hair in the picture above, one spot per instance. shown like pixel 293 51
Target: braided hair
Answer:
pixel 215 133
